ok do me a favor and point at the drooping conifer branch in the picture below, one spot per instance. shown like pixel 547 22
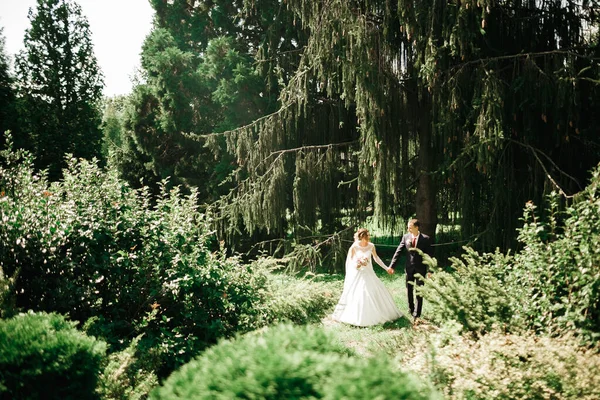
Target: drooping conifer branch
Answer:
pixel 438 87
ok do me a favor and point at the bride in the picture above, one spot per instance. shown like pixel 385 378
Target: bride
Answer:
pixel 365 301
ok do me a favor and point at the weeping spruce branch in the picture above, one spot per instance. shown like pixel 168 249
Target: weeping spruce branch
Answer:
pixel 334 97
pixel 436 97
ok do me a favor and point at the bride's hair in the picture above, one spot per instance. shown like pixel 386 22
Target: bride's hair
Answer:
pixel 360 234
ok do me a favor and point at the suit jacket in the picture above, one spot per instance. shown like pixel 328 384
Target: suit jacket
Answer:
pixel 414 261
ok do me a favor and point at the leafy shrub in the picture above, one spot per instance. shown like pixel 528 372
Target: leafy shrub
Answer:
pixel 128 264
pixel 501 366
pixel 552 286
pixel 43 356
pixel 558 272
pixel 287 362
pixel 7 294
pixel 474 294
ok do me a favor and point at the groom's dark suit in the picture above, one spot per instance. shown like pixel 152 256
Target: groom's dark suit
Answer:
pixel 414 265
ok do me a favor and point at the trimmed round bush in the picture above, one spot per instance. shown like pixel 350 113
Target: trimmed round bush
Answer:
pixel 43 356
pixel 287 362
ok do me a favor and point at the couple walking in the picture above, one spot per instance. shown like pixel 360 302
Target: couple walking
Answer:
pixel 365 300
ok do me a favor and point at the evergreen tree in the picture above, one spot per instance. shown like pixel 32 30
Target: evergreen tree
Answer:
pixel 200 78
pixel 60 84
pixel 8 112
pixel 465 110
pixel 118 144
pixel 457 111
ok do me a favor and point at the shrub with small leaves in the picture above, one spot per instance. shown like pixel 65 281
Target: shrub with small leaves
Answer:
pixel 498 366
pixel 7 295
pixel 129 375
pixel 474 294
pixel 551 286
pixel 43 356
pixel 557 274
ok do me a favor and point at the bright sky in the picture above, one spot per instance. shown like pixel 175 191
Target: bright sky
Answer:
pixel 118 27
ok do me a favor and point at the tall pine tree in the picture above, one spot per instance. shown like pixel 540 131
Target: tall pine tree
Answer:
pixel 60 85
pixel 8 116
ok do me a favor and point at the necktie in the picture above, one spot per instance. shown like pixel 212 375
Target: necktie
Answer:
pixel 414 243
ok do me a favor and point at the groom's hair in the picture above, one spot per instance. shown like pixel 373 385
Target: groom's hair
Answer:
pixel 415 222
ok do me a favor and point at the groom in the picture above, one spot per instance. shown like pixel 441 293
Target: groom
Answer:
pixel 414 263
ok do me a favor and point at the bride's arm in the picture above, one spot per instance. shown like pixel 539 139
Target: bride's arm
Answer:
pixel 378 260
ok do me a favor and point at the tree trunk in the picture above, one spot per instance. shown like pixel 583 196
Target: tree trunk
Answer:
pixel 426 194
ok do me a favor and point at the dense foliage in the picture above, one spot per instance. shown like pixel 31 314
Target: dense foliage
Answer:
pixel 552 286
pixel 289 123
pixel 455 110
pixel 43 356
pixel 146 276
pixel 334 112
pixel 558 270
pixel 129 374
pixel 474 293
pixel 8 119
pixel 199 77
pixel 94 249
pixel 128 265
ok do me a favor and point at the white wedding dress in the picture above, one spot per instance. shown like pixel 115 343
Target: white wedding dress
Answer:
pixel 365 300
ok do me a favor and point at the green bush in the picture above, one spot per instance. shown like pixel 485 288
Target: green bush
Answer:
pixel 122 261
pixel 287 362
pixel 474 294
pixel 43 356
pixel 499 366
pixel 557 275
pixel 7 295
pixel 551 286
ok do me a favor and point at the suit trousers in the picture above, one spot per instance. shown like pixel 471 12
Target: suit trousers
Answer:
pixel 411 281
